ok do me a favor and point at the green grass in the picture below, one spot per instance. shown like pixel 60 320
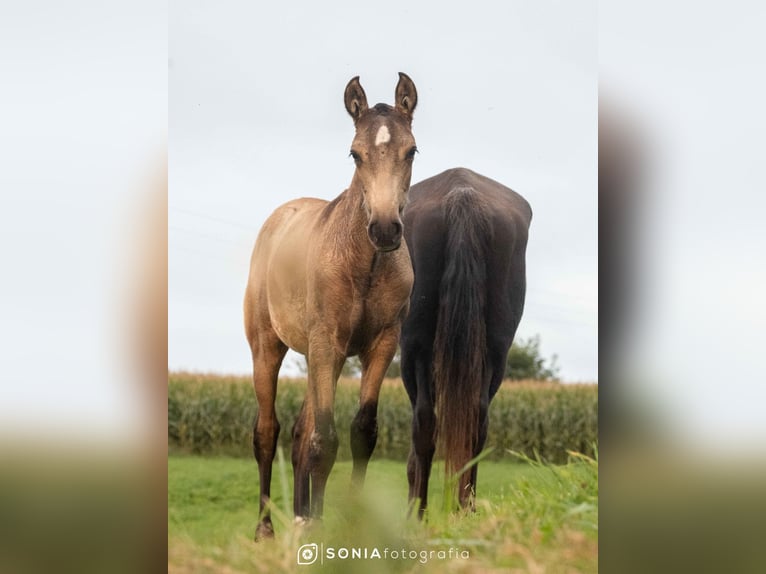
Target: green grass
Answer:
pixel 530 518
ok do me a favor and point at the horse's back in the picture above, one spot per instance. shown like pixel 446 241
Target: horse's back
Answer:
pixel 430 193
pixel 285 231
pixel 276 284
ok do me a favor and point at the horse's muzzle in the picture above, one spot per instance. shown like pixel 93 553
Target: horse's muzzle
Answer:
pixel 385 236
pixel 386 249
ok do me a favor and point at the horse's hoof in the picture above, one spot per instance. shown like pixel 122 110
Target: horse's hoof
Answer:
pixel 264 531
pixel 306 523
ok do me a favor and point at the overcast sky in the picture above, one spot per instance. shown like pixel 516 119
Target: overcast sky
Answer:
pixel 256 118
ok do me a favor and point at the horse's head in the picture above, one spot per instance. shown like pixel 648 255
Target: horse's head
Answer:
pixel 383 150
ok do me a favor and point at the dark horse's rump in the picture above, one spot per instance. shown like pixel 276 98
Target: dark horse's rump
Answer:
pixel 467 237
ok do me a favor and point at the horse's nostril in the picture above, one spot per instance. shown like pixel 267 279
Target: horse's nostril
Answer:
pixel 397 229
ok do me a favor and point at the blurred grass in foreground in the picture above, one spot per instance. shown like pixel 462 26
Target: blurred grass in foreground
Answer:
pixel 79 511
pixel 530 518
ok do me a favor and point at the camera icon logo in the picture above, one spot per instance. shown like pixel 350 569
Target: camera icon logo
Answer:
pixel 308 554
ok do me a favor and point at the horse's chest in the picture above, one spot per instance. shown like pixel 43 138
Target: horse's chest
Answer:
pixel 375 309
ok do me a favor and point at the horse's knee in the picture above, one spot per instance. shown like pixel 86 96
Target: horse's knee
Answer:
pixel 423 428
pixel 497 355
pixel 483 423
pixel 299 438
pixel 323 444
pixel 265 435
pixel 424 416
pixel 412 462
pixel 364 431
pixel 297 431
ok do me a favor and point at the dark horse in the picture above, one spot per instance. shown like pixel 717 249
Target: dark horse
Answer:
pixel 467 237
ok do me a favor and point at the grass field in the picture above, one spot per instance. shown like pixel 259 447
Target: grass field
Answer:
pixel 530 518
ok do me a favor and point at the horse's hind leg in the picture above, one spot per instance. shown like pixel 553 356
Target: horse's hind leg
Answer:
pixel 411 386
pixel 364 427
pixel 268 352
pixel 416 369
pixel 496 359
pixel 301 435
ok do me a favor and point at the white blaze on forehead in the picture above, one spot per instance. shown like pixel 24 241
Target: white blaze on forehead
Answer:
pixel 383 135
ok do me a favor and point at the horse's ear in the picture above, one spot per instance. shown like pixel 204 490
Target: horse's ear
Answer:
pixel 406 95
pixel 355 99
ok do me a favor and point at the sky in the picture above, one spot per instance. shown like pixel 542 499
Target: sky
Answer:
pixel 250 99
pixel 256 118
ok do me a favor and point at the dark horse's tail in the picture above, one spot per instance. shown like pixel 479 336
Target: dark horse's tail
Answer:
pixel 460 342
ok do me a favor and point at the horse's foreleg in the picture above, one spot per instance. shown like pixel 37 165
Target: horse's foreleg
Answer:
pixel 268 352
pixel 324 370
pixel 364 427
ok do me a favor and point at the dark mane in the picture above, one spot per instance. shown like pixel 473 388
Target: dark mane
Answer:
pixel 382 109
pixel 329 208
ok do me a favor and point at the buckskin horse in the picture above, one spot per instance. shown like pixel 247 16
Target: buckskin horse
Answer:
pixel 467 237
pixel 330 280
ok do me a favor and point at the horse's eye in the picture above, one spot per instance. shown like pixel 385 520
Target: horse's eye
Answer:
pixel 411 153
pixel 356 156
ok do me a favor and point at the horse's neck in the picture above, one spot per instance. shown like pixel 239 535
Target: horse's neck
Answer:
pixel 351 227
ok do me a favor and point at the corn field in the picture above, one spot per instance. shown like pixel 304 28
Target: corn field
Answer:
pixel 210 414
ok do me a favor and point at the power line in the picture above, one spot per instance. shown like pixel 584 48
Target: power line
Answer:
pixel 204 234
pixel 213 218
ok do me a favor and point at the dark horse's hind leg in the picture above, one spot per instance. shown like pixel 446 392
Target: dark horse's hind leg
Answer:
pixel 416 372
pixel 268 352
pixel 488 391
pixel 364 427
